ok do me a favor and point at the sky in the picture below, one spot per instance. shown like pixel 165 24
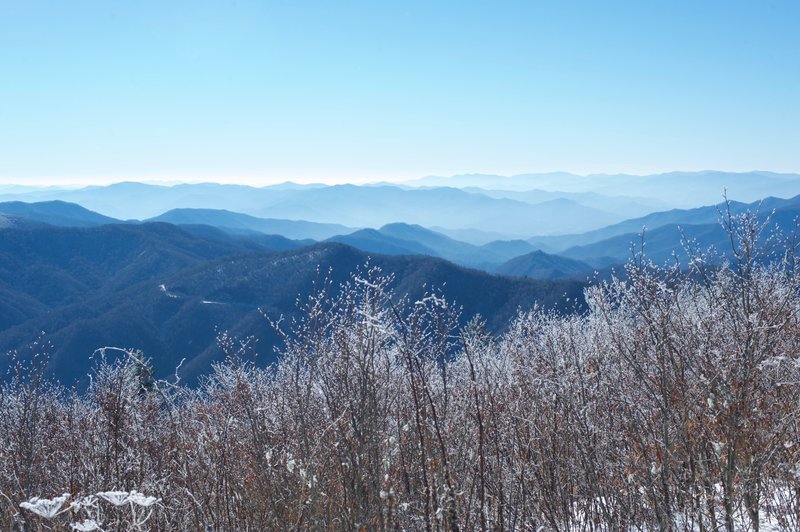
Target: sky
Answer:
pixel 260 92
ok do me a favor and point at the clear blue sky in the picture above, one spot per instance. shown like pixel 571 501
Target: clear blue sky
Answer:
pixel 264 91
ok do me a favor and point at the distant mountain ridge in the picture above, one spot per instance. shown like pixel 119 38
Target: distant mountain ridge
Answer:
pixel 666 242
pixel 348 205
pixel 376 206
pixel 375 241
pixel 162 289
pixel 628 207
pixel 699 215
pixel 391 239
pixel 540 265
pixel 507 208
pixel 244 223
pixel 409 239
pixel 56 212
pixel 680 189
pixel 594 249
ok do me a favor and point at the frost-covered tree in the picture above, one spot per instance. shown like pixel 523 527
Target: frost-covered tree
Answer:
pixel 671 403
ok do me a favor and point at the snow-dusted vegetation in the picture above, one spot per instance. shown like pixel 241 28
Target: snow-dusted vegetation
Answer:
pixel 672 403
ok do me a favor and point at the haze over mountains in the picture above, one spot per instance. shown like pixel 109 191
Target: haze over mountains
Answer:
pixel 243 223
pixel 476 227
pixel 514 207
pixel 166 268
pixel 677 189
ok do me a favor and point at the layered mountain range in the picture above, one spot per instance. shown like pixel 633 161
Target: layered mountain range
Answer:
pixel 168 269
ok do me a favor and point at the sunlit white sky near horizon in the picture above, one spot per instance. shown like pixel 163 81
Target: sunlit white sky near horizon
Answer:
pixel 262 92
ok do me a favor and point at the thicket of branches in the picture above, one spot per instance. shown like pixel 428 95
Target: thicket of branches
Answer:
pixel 673 403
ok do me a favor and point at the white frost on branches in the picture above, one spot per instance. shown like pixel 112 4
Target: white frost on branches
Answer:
pixel 47 508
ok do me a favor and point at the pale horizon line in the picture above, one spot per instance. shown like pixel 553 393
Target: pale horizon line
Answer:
pixel 266 183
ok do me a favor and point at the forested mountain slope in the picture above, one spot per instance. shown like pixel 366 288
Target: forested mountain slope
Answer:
pixel 169 292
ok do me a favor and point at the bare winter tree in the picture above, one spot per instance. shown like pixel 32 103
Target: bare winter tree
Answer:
pixel 672 403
